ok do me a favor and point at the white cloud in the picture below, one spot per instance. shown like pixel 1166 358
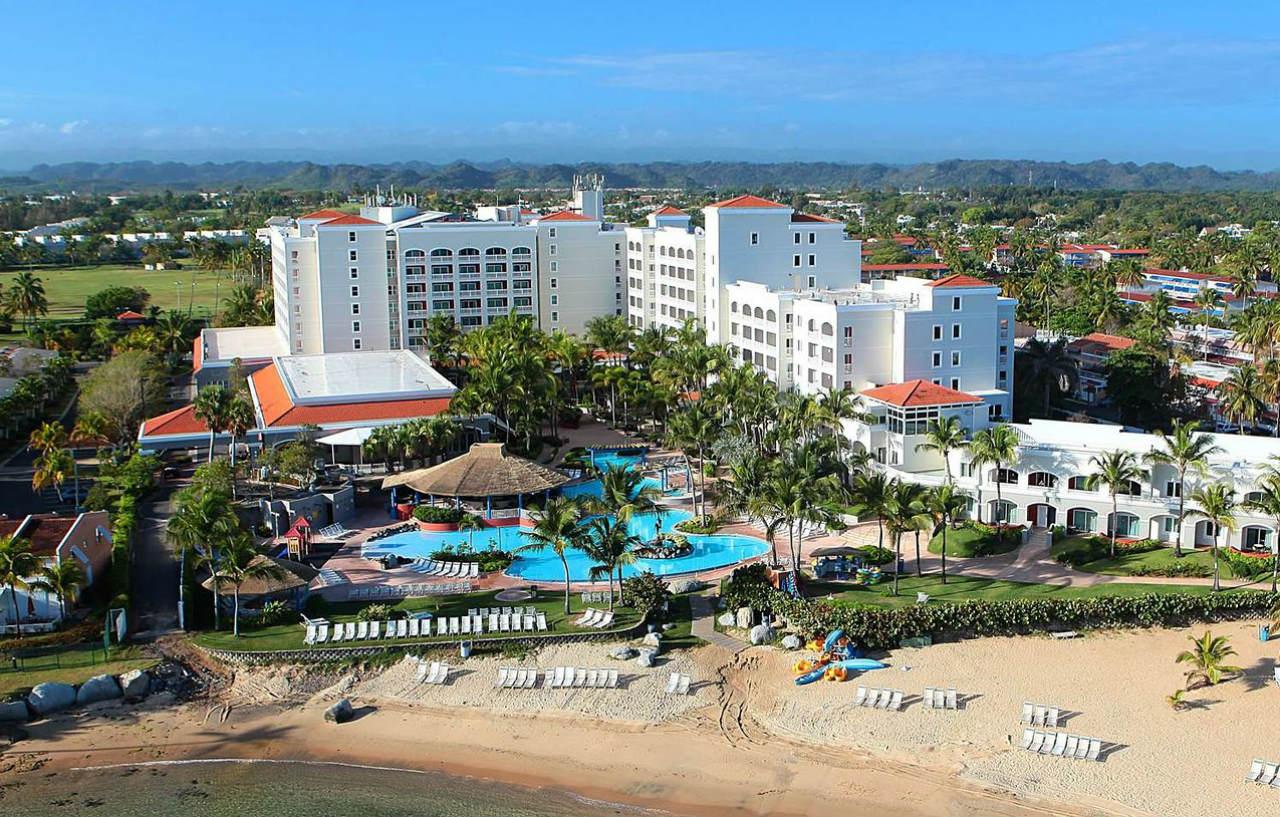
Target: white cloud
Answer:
pixel 4 123
pixel 68 128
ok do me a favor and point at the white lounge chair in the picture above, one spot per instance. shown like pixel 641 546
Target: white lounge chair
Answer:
pixel 579 676
pixel 310 636
pixel 541 621
pixel 612 682
pixel 860 696
pixel 1255 772
pixel 672 683
pixel 928 698
pixel 587 618
pixel 1095 749
pixel 466 625
pixel 337 634
pixel 375 627
pixel 362 630
pixel 1036 739
pixel 591 678
pixel 531 680
pixel 402 628
pixel 1047 746
pixel 455 626
pixel 322 634
pixel 1038 717
pixel 873 698
pixel 443 674
pixel 1059 744
pixel 683 687
pixel 1028 735
pixel 415 627
pixel 1082 748
pixel 953 700
pixel 422 670
pixel 516 624
pixel 474 572
pixel 886 697
pixel 1051 718
pixel 472 611
pixel 1073 743
pixel 350 631
pixel 493 622
pixel 604 621
pixel 895 703
pixel 1268 773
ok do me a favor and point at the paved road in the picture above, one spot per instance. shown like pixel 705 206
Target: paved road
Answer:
pixel 704 627
pixel 154 574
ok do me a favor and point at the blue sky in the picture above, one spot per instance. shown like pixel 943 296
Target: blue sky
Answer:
pixel 547 81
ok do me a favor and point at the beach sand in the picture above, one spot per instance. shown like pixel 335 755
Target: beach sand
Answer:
pixel 747 740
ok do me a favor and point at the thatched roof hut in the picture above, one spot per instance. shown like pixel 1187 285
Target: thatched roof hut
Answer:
pixel 296 576
pixel 486 470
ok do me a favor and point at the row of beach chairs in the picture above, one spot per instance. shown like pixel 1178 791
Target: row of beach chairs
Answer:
pixel 875 698
pixel 1264 774
pixel 1040 715
pixel 556 678
pixel 513 611
pixel 330 577
pixel 450 570
pixel 678 684
pixel 436 673
pixel 594 596
pixel 595 618
pixel 941 698
pixel 335 531
pixel 1060 744
pixel 397 591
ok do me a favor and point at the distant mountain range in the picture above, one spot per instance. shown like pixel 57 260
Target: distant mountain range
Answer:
pixel 1098 175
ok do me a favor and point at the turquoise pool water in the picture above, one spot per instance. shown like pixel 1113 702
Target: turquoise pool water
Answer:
pixel 709 552
pixel 592 488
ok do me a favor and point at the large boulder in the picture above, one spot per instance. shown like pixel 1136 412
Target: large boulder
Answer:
pixel 98 688
pixel 647 658
pixel 761 634
pixel 623 653
pixel 11 711
pixel 791 641
pixel 135 683
pixel 727 620
pixel 341 712
pixel 51 697
pixel 685 586
pixel 652 640
pixel 745 618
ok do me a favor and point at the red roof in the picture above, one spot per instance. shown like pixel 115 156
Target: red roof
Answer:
pixel 1109 343
pixel 1182 273
pixel 959 280
pixel 668 210
pixel 348 220
pixel 918 393
pixel 130 315
pixel 197 354
pixel 565 215
pixel 746 200
pixel 905 267
pixel 277 409
pixel 808 218
pixel 322 215
pixel 182 421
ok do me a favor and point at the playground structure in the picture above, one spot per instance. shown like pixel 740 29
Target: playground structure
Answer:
pixel 838 658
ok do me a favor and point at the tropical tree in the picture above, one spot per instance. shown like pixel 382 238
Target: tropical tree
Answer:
pixel 241 562
pixel 213 406
pixel 557 527
pixel 1186 451
pixel 26 296
pixel 17 565
pixel 1116 470
pixel 695 427
pixel 1240 397
pixel 202 523
pixel 1207 657
pixel 1049 367
pixel 797 494
pixel 611 546
pixel 62 579
pixel 998 446
pixel 944 436
pixel 945 504
pixel 905 510
pixel 471 523
pixel 870 496
pixel 1217 504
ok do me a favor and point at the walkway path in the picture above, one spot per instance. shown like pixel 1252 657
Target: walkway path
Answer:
pixel 704 624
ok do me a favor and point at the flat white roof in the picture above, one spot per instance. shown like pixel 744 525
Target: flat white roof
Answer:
pixel 245 342
pixel 1237 450
pixel 344 377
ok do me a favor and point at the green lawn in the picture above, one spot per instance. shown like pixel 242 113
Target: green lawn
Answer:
pixel 71 665
pixel 681 635
pixel 969 540
pixel 67 288
pixel 968 588
pixel 1131 564
pixel 289 636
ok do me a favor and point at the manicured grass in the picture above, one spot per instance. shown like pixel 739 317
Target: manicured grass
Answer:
pixel 970 588
pixel 680 636
pixel 73 664
pixel 289 636
pixel 970 540
pixel 67 288
pixel 1131 564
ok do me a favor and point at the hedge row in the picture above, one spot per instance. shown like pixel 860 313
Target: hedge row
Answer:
pixel 885 628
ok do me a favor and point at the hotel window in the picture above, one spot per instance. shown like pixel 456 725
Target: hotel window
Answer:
pixel 554 283
pixel 351 236
pixel 813 281
pixel 355 309
pixel 755 238
pixel 813 238
pixel 813 260
pixel 937 331
pixel 555 316
pixel 955 358
pixel 555 266
pixel 355 344
pixel 355 327
pixel 555 300
pixel 355 292
pixel 955 383
pixel 1004 328
pixel 937 359
pixel 955 331
pixel 552 232
pixel 1173 488
pixel 797 238
pixel 297 309
pixel 955 303
pixel 355 272
pixel 294 254
pixel 553 249
pixel 353 255
pixel 795 260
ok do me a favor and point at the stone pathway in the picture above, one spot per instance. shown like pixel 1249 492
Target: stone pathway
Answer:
pixel 704 624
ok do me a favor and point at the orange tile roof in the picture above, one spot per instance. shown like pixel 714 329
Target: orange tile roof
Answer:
pixel 918 393
pixel 924 265
pixel 197 355
pixel 809 218
pixel 959 280
pixel 1092 341
pixel 345 220
pixel 130 315
pixel 668 210
pixel 181 421
pixel 322 215
pixel 746 200
pixel 277 409
pixel 565 215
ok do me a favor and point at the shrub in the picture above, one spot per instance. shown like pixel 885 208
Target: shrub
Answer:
pixel 1243 566
pixel 490 560
pixel 645 592
pixel 746 583
pixel 875 555
pixel 699 524
pixel 1175 570
pixel 275 612
pixel 438 514
pixel 374 612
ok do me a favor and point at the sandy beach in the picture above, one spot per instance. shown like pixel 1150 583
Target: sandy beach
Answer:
pixel 747 740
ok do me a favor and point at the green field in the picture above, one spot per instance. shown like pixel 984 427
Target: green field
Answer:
pixel 71 665
pixel 1130 564
pixel 67 288
pixel 969 588
pixel 968 541
pixel 289 636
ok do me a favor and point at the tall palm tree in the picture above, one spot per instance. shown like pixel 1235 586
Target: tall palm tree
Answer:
pixel 1050 367
pixel 944 436
pixel 53 468
pixel 870 495
pixel 796 494
pixel 611 546
pixel 17 565
pixel 240 562
pixel 558 527
pixel 27 297
pixel 1187 451
pixel 1269 389
pixel 1240 396
pixel 695 427
pixel 904 511
pixel 1116 470
pixel 623 493
pixel 471 523
pixel 200 526
pixel 945 504
pixel 1207 658
pixel 1217 504
pixel 998 446
pixel 63 580
pixel 212 405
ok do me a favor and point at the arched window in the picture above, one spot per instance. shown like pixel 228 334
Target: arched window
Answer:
pixel 1006 475
pixel 1123 524
pixel 771 316
pixel 414 254
pixel 1082 520
pixel 1255 538
pixel 1253 496
pixel 810 327
pixel 469 251
pixel 1041 479
pixel 828 329
pixel 1003 510
pixel 441 252
pixel 679 253
pixel 662 250
pixel 733 307
pixel 1079 483
pixel 521 251
pixel 758 313
pixel 495 252
pixel 1132 489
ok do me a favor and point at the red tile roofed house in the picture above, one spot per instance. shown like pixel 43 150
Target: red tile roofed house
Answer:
pixel 903 412
pixel 918 393
pixel 565 215
pixel 278 411
pixel 86 538
pixel 323 215
pixel 130 317
pixel 669 210
pixel 1091 353
pixel 960 280
pixel 348 221
pixel 746 201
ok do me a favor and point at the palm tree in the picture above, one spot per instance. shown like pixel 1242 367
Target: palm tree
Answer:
pixel 240 562
pixel 695 427
pixel 200 525
pixel 212 405
pixel 63 580
pixel 1186 451
pixel 944 436
pixel 1117 470
pixel 557 526
pixel 471 523
pixel 998 446
pixel 27 296
pixel 904 511
pixel 17 564
pixel 1049 366
pixel 1240 396
pixel 870 495
pixel 946 503
pixel 611 546
pixel 623 493
pixel 1269 391
pixel 1217 504
pixel 1206 657
pixel 239 418
pixel 52 468
pixel 1267 501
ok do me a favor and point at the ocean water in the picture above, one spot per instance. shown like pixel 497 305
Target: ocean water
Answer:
pixel 280 789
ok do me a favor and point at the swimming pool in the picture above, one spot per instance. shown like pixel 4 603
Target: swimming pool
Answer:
pixel 709 551
pixel 593 487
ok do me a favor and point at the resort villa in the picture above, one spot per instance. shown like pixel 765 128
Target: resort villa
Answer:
pixel 85 538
